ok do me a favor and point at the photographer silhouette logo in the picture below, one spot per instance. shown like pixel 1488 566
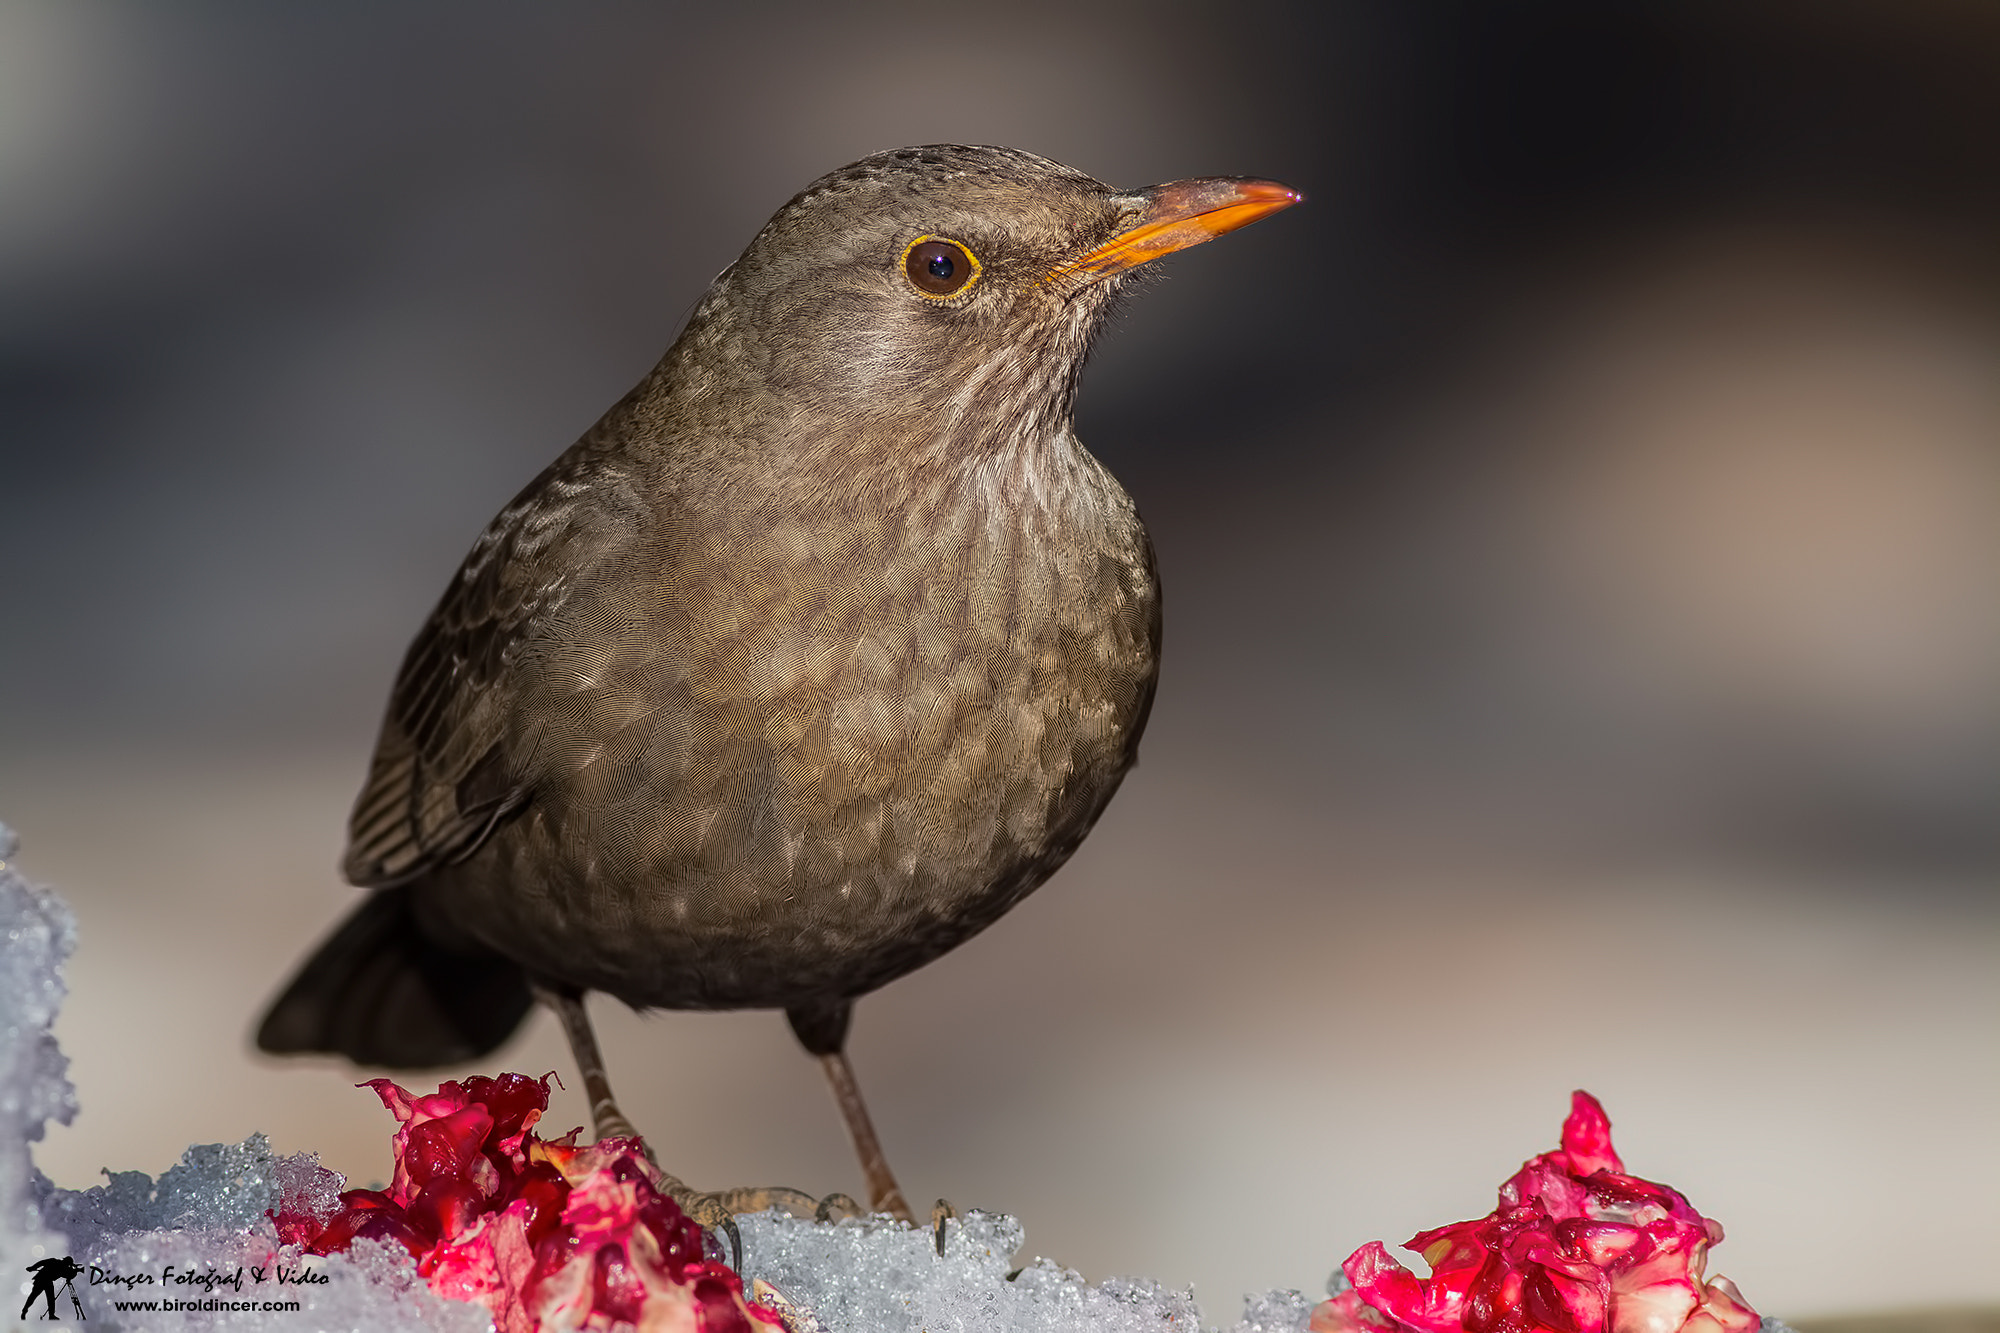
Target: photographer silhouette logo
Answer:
pixel 48 1274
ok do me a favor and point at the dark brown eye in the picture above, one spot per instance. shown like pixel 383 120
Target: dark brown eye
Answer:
pixel 939 267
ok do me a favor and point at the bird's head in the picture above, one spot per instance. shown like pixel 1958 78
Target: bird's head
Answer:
pixel 949 290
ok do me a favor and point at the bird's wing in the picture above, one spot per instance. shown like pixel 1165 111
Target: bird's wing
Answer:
pixel 449 767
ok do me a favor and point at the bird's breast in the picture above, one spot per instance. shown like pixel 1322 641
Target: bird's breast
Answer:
pixel 828 745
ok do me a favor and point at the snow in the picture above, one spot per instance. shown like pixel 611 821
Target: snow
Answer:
pixel 199 1236
pixel 199 1233
pixel 863 1275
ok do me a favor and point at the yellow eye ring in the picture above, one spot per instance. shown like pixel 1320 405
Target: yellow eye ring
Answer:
pixel 938 268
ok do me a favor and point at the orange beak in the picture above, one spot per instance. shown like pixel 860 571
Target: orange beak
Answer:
pixel 1179 215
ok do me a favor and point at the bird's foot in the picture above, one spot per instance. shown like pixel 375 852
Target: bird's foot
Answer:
pixel 796 1203
pixel 717 1210
pixel 834 1207
pixel 709 1211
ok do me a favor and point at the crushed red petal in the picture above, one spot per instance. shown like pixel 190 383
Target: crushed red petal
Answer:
pixel 719 1305
pixel 444 1208
pixel 615 1289
pixel 1573 1246
pixel 543 1189
pixel 534 1229
pixel 445 1146
pixel 515 1101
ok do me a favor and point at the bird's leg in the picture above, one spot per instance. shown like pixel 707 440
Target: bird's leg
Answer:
pixel 605 1117
pixel 884 1194
pixel 822 1030
pixel 715 1211
pixel 711 1211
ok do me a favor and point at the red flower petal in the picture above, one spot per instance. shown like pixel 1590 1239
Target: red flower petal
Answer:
pixel 539 1231
pixel 1586 1137
pixel 1574 1246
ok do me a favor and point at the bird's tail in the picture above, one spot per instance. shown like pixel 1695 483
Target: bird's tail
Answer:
pixel 381 992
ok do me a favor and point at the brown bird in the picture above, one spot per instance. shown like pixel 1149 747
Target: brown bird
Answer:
pixel 823 648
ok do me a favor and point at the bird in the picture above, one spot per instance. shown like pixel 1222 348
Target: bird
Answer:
pixel 825 646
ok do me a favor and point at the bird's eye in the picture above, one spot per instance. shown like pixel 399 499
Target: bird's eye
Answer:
pixel 939 268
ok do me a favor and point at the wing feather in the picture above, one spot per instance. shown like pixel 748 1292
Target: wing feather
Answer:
pixel 449 766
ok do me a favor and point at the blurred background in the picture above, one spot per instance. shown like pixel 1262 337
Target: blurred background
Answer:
pixel 1581 525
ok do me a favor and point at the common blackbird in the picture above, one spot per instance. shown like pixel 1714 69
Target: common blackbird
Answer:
pixel 819 651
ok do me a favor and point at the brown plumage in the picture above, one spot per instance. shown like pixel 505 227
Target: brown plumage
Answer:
pixel 817 653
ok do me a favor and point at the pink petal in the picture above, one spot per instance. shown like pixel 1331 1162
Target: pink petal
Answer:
pixel 1574 1245
pixel 1396 1292
pixel 1722 1310
pixel 1348 1313
pixel 1586 1136
pixel 541 1232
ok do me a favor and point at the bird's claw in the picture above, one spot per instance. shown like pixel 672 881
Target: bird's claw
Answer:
pixel 710 1211
pixel 941 1212
pixel 795 1318
pixel 836 1206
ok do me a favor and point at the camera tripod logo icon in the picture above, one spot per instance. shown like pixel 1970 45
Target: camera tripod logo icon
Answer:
pixel 48 1274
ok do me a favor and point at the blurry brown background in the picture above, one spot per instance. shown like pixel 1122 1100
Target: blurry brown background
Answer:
pixel 1581 524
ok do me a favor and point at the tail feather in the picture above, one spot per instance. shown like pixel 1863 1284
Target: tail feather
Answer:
pixel 381 992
